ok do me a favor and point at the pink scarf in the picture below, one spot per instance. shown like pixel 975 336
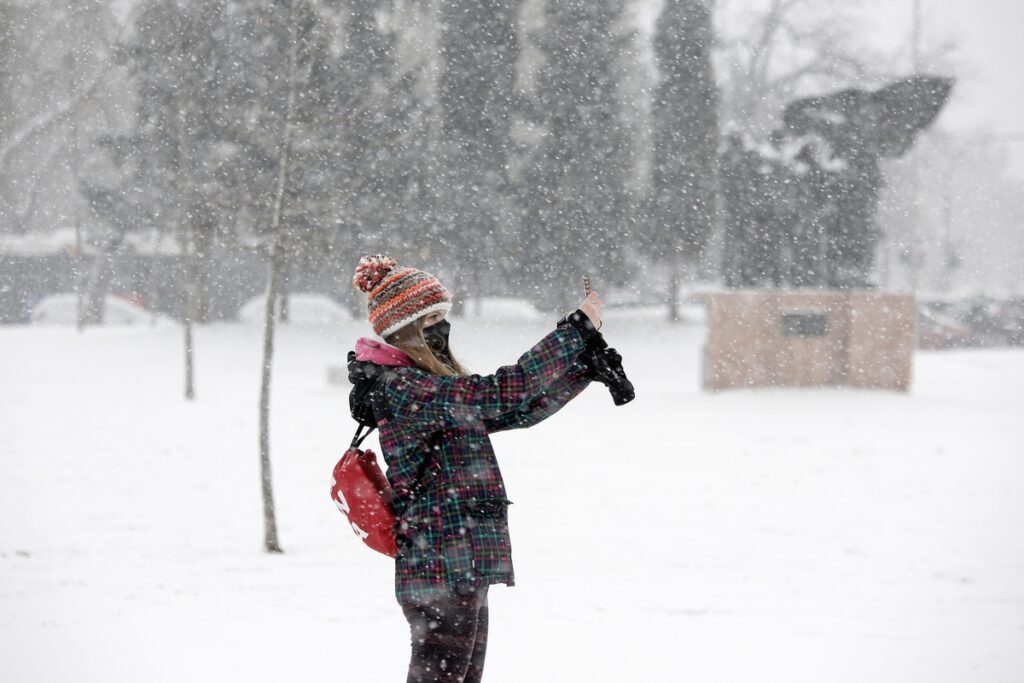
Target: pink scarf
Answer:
pixel 380 353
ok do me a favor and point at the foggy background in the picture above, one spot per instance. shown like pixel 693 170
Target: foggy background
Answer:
pixel 135 131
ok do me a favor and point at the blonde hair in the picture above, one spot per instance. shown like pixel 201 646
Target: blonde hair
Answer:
pixel 409 339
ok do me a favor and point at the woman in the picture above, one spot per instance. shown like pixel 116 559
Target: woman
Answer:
pixel 434 419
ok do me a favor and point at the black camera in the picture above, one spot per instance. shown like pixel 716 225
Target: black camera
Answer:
pixel 605 365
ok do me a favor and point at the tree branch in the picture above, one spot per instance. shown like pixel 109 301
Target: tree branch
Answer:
pixel 47 120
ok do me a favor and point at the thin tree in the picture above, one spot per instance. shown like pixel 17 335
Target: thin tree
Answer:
pixel 277 262
pixel 191 86
pixel 186 245
pixel 185 233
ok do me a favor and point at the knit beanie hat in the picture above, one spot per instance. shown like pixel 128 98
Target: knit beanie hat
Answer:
pixel 397 296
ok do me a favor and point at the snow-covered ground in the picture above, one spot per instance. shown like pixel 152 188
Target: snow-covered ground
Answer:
pixel 747 536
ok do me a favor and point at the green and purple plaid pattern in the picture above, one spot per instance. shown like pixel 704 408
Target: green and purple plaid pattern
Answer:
pixel 455 531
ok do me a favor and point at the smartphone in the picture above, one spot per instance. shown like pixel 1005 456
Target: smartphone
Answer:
pixel 586 286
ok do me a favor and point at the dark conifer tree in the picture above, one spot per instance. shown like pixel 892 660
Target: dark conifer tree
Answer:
pixel 363 74
pixel 575 199
pixel 685 123
pixel 387 119
pixel 479 48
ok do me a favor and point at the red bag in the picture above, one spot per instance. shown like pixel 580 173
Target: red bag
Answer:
pixel 363 494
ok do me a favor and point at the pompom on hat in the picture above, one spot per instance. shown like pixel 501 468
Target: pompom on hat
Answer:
pixel 397 296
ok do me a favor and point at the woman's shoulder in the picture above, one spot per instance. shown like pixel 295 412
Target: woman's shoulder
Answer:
pixel 408 378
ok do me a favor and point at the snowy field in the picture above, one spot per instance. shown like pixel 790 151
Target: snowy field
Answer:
pixel 749 536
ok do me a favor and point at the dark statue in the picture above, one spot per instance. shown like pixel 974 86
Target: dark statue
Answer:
pixel 800 208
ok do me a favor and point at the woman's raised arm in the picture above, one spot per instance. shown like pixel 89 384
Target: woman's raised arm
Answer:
pixel 446 402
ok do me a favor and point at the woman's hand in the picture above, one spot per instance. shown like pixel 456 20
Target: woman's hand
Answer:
pixel 592 306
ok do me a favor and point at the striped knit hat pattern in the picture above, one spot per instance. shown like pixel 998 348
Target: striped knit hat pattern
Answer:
pixel 397 296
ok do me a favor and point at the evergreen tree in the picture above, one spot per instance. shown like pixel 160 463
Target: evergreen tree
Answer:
pixel 387 118
pixel 685 122
pixel 480 48
pixel 363 73
pixel 575 200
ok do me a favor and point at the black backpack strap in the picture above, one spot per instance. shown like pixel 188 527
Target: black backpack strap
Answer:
pixel 358 439
pixel 428 470
pixel 431 464
pixel 366 398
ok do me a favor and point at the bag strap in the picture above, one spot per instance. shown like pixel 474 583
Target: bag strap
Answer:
pixel 427 472
pixel 357 439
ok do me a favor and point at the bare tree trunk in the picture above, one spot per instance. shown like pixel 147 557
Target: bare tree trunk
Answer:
pixel 186 245
pixel 202 242
pixel 477 291
pixel 97 279
pixel 284 303
pixel 277 253
pixel 673 289
pixel 188 314
pixel 270 542
pixel 285 309
pixel 80 274
pixel 152 285
pixel 76 218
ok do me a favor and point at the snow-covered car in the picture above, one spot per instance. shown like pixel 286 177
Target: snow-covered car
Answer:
pixel 936 330
pixel 62 309
pixel 991 321
pixel 995 322
pixel 303 309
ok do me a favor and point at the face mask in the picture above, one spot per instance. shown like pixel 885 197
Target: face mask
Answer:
pixel 436 336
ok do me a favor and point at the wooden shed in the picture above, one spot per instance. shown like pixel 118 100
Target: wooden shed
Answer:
pixel 782 338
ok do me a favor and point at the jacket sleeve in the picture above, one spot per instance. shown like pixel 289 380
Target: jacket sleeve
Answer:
pixel 550 400
pixel 438 402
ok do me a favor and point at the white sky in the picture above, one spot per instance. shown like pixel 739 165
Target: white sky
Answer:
pixel 990 57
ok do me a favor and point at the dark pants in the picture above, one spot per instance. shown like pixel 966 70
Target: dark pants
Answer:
pixel 449 637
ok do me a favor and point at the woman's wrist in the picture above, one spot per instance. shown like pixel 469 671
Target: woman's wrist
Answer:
pixel 581 321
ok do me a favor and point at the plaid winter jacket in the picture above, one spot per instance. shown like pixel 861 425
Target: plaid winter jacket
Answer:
pixel 449 495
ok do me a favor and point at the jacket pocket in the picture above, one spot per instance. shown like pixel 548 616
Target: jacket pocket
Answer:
pixel 485 524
